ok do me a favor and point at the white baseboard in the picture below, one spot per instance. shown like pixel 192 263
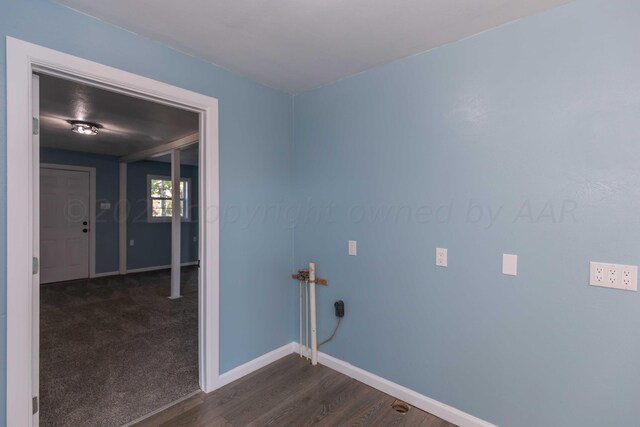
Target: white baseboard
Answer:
pixel 142 270
pixel 439 409
pixel 254 365
pixel 159 267
pixel 108 273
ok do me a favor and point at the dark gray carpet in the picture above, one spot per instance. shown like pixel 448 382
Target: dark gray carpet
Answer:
pixel 113 349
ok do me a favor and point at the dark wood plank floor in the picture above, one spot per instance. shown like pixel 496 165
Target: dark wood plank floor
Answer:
pixel 292 392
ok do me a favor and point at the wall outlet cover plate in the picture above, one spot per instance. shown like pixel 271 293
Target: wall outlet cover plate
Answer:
pixel 353 248
pixel 510 264
pixel 441 257
pixel 614 276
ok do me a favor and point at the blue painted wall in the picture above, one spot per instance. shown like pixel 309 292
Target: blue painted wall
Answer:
pixel 153 239
pixel 479 147
pixel 520 140
pixel 106 226
pixel 255 159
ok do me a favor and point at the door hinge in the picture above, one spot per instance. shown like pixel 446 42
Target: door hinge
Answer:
pixel 35 265
pixel 36 126
pixel 35 404
pixel 198 263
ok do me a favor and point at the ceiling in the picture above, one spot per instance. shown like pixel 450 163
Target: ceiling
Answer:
pixel 129 124
pixel 294 45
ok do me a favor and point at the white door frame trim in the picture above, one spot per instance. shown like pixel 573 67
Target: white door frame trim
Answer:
pixel 92 207
pixel 22 60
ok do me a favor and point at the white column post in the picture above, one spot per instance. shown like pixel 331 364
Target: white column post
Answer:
pixel 312 310
pixel 175 224
pixel 122 220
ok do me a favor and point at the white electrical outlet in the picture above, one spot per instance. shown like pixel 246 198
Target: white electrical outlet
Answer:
pixel 596 274
pixel 441 257
pixel 353 248
pixel 612 275
pixel 629 277
pixel 615 276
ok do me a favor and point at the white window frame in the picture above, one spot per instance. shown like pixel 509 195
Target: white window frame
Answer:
pixel 187 200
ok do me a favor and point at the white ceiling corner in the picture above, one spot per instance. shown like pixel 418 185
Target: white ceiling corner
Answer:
pixel 294 45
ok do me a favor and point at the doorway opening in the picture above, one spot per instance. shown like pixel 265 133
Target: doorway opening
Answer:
pixel 66 180
pixel 116 341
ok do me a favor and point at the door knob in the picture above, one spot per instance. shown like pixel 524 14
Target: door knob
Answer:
pixel 84 230
pixel 84 223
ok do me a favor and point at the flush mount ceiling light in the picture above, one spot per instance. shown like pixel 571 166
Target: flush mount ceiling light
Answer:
pixel 84 128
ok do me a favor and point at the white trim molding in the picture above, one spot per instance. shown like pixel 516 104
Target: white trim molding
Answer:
pixel 150 199
pixel 106 274
pixel 161 150
pixel 432 406
pixel 143 269
pixel 159 267
pixel 123 211
pixel 255 364
pixel 23 59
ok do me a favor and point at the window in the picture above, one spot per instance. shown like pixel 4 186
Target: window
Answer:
pixel 159 190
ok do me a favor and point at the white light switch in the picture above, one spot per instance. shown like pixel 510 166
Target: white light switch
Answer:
pixel 105 205
pixel 510 264
pixel 353 248
pixel 441 257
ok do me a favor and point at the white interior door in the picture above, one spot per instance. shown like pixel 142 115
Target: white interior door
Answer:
pixel 64 225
